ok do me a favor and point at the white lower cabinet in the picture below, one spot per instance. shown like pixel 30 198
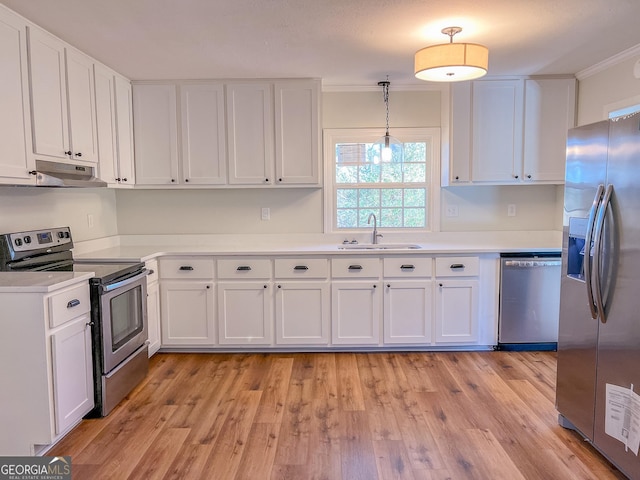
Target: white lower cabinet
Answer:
pixel 457 300
pixel 407 311
pixel 188 315
pixel 355 312
pixel 302 313
pixel 244 313
pixel 47 386
pixel 245 301
pixel 71 356
pixel 187 301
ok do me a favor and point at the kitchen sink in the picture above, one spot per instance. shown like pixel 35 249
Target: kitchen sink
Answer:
pixel 379 246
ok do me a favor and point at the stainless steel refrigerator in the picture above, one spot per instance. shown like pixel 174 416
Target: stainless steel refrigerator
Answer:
pixel 598 384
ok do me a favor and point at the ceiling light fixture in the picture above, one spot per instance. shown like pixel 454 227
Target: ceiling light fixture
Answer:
pixel 451 62
pixel 389 147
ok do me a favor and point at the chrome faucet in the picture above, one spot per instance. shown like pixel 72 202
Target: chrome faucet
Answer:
pixel 375 234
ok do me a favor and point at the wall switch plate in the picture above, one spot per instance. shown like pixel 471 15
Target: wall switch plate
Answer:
pixel 451 210
pixel 511 210
pixel 266 213
pixel 90 220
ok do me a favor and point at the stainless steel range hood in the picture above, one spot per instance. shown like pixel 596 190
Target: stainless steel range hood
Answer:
pixel 55 174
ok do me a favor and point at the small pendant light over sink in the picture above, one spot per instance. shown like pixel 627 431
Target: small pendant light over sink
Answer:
pixel 451 62
pixel 389 147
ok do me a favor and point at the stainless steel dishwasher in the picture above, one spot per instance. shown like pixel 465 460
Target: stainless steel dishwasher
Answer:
pixel 529 301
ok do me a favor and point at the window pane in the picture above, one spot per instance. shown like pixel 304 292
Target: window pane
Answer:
pixel 347 218
pixel 414 197
pixel 391 217
pixel 369 197
pixel 369 173
pixel 415 152
pixel 414 217
pixel 347 197
pixel 391 172
pixel 392 197
pixel 351 153
pixel 346 174
pixel 415 173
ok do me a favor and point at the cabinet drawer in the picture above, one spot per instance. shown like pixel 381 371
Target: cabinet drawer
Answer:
pixel 69 304
pixel 457 266
pixel 152 266
pixel 407 267
pixel 237 268
pixel 356 267
pixel 187 267
pixel 302 268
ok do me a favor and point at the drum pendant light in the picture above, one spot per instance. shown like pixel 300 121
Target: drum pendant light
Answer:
pixel 390 148
pixel 451 62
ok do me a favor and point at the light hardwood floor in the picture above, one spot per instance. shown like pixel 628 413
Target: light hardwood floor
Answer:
pixel 471 415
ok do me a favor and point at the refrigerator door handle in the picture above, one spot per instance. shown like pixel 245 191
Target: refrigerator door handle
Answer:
pixel 597 254
pixel 587 250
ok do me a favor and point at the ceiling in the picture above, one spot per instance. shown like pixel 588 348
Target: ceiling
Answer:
pixel 344 42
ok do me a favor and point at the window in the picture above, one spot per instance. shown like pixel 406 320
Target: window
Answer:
pixel 358 183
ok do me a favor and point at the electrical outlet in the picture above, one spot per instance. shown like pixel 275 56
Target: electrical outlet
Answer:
pixel 266 213
pixel 90 220
pixel 511 210
pixel 451 210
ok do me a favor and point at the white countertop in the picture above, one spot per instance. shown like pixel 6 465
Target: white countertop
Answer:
pixel 146 247
pixel 44 282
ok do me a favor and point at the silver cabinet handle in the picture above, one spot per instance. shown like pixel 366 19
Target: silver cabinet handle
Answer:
pixel 186 267
pixel 407 267
pixel 456 266
pixel 355 267
pixel 243 268
pixel 301 267
pixel 73 303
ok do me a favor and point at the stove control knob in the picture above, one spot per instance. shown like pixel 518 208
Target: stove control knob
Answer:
pixel 66 234
pixel 18 242
pixel 60 234
pixel 27 239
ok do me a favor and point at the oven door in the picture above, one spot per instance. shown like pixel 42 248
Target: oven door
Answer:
pixel 123 319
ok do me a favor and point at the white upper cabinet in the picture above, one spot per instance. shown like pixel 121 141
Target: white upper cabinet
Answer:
pixel 250 133
pixel 115 148
pixel 297 130
pixel 203 134
pixel 156 140
pixel 15 138
pixel 550 111
pixel 124 131
pixel 62 100
pixel 510 131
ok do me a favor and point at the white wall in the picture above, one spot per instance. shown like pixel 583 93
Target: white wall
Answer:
pixel 29 208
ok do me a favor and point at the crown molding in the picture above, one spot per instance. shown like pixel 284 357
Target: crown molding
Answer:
pixel 609 62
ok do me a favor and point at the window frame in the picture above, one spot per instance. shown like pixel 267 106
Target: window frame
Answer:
pixel 429 135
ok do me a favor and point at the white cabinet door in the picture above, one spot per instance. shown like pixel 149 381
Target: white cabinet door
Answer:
pixel 497 124
pixel 244 313
pixel 457 311
pixel 72 373
pixel 81 111
pixel 302 313
pixel 153 317
pixel 187 313
pixel 106 123
pixel 355 313
pixel 250 133
pixel 156 138
pixel 297 132
pixel 407 311
pixel 124 131
pixel 203 134
pixel 15 138
pixel 550 106
pixel 48 95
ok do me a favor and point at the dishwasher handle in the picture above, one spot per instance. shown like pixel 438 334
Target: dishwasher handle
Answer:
pixel 533 262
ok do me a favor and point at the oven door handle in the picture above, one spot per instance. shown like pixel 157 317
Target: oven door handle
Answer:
pixel 125 282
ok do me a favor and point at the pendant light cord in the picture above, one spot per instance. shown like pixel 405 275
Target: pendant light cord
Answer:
pixel 385 97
